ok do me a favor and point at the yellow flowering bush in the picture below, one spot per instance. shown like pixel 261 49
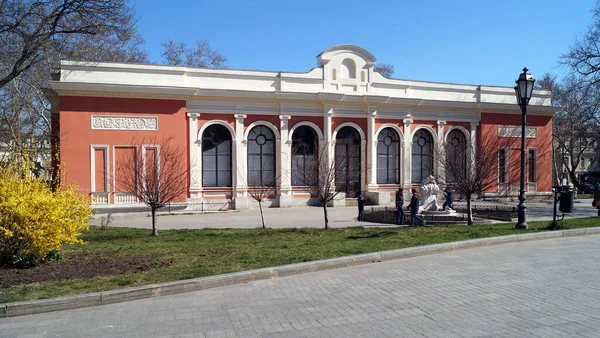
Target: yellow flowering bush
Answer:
pixel 34 220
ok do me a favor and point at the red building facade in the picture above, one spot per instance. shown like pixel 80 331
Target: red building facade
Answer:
pixel 242 128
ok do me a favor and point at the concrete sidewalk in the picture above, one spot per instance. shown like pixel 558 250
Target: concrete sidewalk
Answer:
pixel 312 217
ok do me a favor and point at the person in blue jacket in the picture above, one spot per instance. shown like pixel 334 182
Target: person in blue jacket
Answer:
pixel 361 206
pixel 399 207
pixel 414 208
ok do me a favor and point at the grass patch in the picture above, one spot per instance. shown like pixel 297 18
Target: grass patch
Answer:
pixel 206 252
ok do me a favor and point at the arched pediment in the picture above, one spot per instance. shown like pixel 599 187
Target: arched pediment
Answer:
pixel 332 52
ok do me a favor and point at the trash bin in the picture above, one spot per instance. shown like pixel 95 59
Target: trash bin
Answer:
pixel 566 200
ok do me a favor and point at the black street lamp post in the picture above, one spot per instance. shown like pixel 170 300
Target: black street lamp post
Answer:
pixel 523 90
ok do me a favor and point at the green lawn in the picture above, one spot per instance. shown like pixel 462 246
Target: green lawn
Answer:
pixel 198 253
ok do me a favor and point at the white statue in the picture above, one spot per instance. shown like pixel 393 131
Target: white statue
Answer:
pixel 429 192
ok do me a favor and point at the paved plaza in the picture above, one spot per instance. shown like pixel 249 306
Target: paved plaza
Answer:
pixel 546 288
pixel 305 217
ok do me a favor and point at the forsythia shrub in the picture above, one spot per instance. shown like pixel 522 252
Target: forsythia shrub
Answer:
pixel 35 221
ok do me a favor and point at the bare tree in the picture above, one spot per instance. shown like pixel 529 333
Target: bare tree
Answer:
pixel 316 171
pixel 31 31
pixel 260 193
pixel 34 36
pixel 202 56
pixel 470 168
pixel 156 173
pixel 576 128
pixel 584 55
pixel 385 69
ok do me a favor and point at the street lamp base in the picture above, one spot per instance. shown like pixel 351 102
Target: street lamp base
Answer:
pixel 521 225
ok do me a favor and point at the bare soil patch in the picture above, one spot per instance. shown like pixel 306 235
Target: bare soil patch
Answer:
pixel 82 265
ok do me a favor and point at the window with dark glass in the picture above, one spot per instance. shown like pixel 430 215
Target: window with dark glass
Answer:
pixel 456 155
pixel 502 166
pixel 304 156
pixel 216 156
pixel 347 161
pixel 532 165
pixel 422 157
pixel 261 157
pixel 388 150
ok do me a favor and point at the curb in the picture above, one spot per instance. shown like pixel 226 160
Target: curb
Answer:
pixel 202 283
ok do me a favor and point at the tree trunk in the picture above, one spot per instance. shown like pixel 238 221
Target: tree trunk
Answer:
pixel 154 231
pixel 325 214
pixel 469 211
pixel 574 180
pixel 261 214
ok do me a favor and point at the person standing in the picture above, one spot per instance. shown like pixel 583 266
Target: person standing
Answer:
pixel 449 194
pixel 597 199
pixel 399 206
pixel 361 206
pixel 414 208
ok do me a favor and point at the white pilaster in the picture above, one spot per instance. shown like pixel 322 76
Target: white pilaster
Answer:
pixel 195 158
pixel 407 162
pixel 474 144
pixel 241 176
pixel 441 168
pixel 329 147
pixel 474 137
pixel 327 132
pixel 285 164
pixel 371 150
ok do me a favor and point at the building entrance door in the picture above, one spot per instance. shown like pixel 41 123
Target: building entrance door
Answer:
pixel 347 157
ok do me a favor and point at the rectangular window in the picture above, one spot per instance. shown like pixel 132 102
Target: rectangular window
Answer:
pixel 502 170
pixel 532 165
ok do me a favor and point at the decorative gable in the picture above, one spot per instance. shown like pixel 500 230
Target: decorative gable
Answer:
pixel 347 68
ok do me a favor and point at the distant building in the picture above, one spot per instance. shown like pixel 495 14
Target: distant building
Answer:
pixel 243 127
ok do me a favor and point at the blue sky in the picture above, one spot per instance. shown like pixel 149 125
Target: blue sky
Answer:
pixel 460 41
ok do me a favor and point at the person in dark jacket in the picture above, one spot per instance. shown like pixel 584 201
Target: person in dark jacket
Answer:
pixel 414 208
pixel 399 206
pixel 449 194
pixel 597 199
pixel 361 206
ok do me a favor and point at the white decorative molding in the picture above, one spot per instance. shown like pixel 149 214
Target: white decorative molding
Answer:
pixel 125 122
pixel 505 131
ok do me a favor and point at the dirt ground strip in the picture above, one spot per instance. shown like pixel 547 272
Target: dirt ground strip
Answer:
pixel 80 266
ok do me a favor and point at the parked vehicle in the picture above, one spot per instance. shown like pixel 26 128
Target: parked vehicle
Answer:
pixel 588 188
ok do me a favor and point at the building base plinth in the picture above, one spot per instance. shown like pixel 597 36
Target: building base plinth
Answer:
pixel 379 197
pixel 285 201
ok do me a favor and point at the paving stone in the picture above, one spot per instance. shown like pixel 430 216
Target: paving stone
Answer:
pixel 542 288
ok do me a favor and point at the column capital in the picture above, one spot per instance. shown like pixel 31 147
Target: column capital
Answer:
pixel 372 111
pixel 474 124
pixel 240 117
pixel 441 123
pixel 284 117
pixel 193 116
pixel 328 108
pixel 408 120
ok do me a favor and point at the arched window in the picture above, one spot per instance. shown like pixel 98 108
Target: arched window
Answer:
pixel 422 157
pixel 347 161
pixel 456 155
pixel 387 156
pixel 348 69
pixel 216 156
pixel 261 157
pixel 304 156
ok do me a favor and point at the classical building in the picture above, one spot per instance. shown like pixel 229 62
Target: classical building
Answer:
pixel 245 128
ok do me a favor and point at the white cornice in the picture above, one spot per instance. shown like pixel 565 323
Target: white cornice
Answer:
pixel 197 84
